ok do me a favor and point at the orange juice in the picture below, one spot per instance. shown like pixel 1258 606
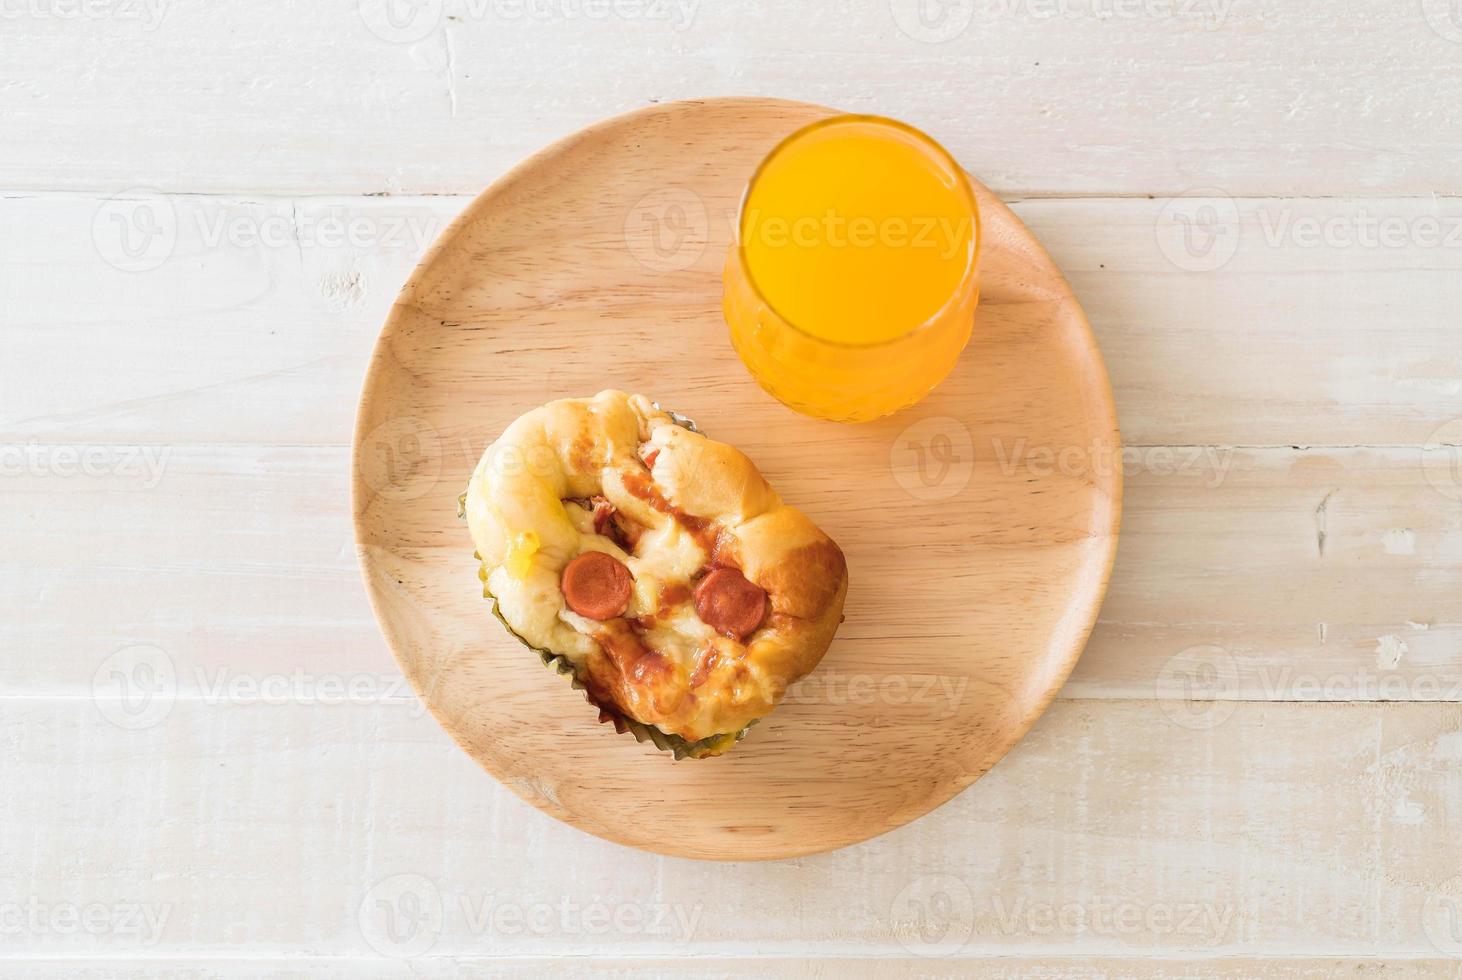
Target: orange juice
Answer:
pixel 851 287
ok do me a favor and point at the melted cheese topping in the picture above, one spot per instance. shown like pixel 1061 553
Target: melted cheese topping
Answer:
pixel 659 663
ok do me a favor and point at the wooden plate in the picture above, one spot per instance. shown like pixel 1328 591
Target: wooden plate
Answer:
pixel 979 526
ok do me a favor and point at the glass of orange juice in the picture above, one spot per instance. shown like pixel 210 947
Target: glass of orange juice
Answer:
pixel 850 287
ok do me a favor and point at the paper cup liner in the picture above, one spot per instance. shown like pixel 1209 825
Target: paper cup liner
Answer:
pixel 676 745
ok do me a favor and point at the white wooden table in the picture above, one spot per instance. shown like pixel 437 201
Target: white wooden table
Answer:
pixel 209 765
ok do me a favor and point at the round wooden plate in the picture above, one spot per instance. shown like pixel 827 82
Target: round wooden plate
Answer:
pixel 979 525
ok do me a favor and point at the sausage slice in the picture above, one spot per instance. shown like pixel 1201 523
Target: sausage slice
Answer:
pixel 597 586
pixel 729 603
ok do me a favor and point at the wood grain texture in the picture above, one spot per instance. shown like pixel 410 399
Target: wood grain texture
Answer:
pixel 1220 548
pixel 236 562
pixel 272 304
pixel 553 284
pixel 1303 323
pixel 266 819
pixel 725 968
pixel 1293 830
pixel 1069 97
pixel 1285 574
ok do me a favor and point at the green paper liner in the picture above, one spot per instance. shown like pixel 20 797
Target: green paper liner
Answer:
pixel 678 746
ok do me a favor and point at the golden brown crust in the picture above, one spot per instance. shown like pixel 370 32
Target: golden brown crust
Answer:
pixel 700 505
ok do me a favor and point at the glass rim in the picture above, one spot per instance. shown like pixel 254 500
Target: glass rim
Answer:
pixel 928 142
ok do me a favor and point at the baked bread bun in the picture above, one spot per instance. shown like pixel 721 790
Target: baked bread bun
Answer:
pixel 654 565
